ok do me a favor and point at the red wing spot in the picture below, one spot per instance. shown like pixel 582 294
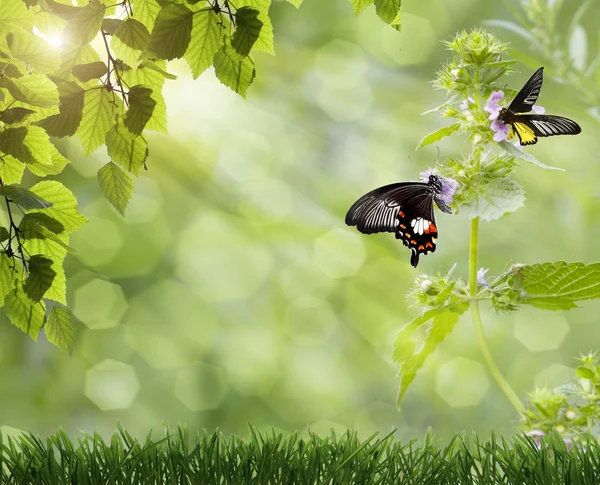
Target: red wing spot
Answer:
pixel 432 227
pixel 407 234
pixel 401 214
pixel 428 245
pixel 421 247
pixel 402 226
pixel 412 241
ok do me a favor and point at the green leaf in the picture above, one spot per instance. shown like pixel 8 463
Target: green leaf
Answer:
pixel 412 357
pixel 130 39
pixel 172 32
pixel 71 111
pixel 265 39
pixel 87 72
pixel 555 286
pixel 7 276
pixel 234 71
pixel 206 40
pixel 46 233
pixel 126 149
pixel 14 15
pixel 24 198
pixel 24 313
pixel 295 3
pixel 75 55
pixel 585 373
pixel 33 50
pixel 438 135
pixel 15 115
pixel 528 157
pixel 39 145
pixel 64 204
pixel 60 328
pixel 40 278
pixel 146 12
pixel 387 10
pixel 34 89
pixel 141 107
pixel 11 170
pixel 97 118
pixel 12 142
pixel 359 5
pixel 117 185
pixel 58 290
pixel 150 74
pixel 247 30
pixel 57 165
pixel 31 222
pixel 110 26
pixel 493 199
pixel 85 24
pixel 42 226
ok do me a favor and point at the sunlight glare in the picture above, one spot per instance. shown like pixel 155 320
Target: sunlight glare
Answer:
pixel 54 41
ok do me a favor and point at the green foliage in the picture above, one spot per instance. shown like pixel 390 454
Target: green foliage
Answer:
pixel 555 286
pixel 247 31
pixel 438 135
pixel 60 328
pixel 233 70
pixel 117 185
pixel 270 457
pixel 387 10
pixel 172 32
pixel 441 322
pixel 103 86
pixel 573 409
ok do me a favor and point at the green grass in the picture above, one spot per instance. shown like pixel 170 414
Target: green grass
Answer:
pixel 212 458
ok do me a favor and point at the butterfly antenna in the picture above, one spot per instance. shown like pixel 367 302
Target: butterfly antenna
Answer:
pixel 436 160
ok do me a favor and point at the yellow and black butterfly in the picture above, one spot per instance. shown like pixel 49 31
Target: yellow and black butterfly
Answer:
pixel 529 126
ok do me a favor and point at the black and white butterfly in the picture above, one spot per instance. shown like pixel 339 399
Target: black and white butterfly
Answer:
pixel 405 209
pixel 529 126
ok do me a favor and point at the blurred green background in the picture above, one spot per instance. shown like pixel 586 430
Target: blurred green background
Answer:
pixel 233 293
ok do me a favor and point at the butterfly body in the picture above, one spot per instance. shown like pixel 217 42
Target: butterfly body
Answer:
pixel 529 127
pixel 405 209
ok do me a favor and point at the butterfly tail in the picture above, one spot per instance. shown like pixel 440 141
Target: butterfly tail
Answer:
pixel 414 259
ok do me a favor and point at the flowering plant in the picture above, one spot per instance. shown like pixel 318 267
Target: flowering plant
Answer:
pixel 482 185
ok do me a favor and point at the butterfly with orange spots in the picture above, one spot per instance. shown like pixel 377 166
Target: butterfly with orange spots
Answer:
pixel 405 209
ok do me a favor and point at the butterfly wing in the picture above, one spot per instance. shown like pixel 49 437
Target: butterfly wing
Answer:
pixel 524 131
pixel 405 209
pixel 527 97
pixel 529 127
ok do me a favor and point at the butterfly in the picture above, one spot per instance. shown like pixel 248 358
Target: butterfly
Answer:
pixel 529 126
pixel 405 209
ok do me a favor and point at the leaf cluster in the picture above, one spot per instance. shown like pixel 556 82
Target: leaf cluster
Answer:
pixel 573 409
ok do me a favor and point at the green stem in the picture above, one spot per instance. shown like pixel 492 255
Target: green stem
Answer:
pixel 478 325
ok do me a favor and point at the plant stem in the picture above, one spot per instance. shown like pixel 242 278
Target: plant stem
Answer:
pixel 478 325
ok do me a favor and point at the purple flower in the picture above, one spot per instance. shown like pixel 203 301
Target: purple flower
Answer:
pixel 540 110
pixel 500 129
pixel 449 185
pixel 492 106
pixel 481 277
